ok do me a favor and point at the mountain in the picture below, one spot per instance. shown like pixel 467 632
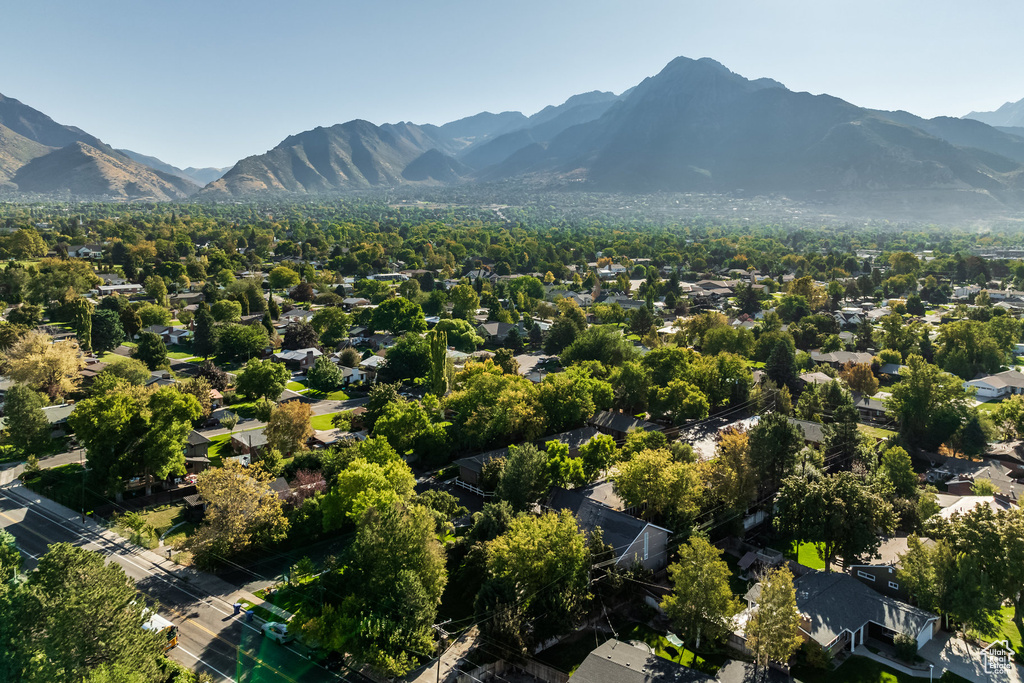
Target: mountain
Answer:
pixel 199 176
pixel 82 171
pixel 696 126
pixel 965 133
pixel 482 126
pixel 40 156
pixel 435 166
pixel 38 127
pixel 539 128
pixel 348 156
pixel 16 151
pixel 1010 114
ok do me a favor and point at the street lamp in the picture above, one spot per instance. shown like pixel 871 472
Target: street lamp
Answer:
pixel 931 670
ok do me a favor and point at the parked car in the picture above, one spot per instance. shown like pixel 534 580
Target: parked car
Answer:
pixel 275 630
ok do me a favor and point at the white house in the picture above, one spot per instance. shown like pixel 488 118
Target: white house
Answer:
pixel 1002 384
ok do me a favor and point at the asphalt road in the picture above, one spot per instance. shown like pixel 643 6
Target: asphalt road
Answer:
pixel 210 637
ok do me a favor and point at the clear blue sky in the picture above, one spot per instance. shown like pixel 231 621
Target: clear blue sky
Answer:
pixel 206 82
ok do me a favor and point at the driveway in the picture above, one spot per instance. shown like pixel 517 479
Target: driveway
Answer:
pixel 947 651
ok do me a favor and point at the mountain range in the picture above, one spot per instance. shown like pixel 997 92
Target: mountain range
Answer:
pixel 694 127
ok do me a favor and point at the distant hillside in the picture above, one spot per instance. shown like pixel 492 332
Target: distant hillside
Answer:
pixel 37 126
pixel 1010 114
pixel 483 126
pixel 199 176
pixel 349 156
pixel 40 156
pixel 16 151
pixel 697 126
pixel 83 171
pixel 435 166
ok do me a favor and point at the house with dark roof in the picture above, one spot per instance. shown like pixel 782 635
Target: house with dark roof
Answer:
pixel 634 540
pixel 619 662
pixel 619 425
pixel 879 572
pixel 470 468
pixel 840 613
pixel 299 359
pixel 838 359
pixel 870 409
pixel 813 432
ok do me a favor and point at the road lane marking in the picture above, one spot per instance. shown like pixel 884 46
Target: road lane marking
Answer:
pixel 204 663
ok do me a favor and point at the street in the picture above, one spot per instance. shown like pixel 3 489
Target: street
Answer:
pixel 200 604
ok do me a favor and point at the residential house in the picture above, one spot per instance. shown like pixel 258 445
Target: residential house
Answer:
pixel 248 443
pixel 838 359
pixel 840 613
pixel 369 367
pixel 880 571
pixel 870 408
pixel 619 662
pixel 91 370
pixel 1006 477
pixel 497 332
pixel 123 289
pixel 961 505
pixel 634 540
pixel 813 432
pixel 112 278
pixel 351 302
pixel 815 378
pixel 170 335
pixel 298 360
pixel 197 449
pixel 89 251
pixel 471 468
pixel 573 438
pixel 296 315
pixel 1000 385
pixel 619 425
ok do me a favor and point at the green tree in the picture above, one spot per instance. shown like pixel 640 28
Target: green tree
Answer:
pixel 631 383
pixel 226 311
pixel 242 512
pixel 282 278
pixel 701 602
pixel 546 561
pixel 781 366
pixel 440 364
pixel 236 341
pixel 669 489
pixel 524 480
pixel 132 371
pixel 928 404
pixel 773 631
pixel 156 289
pixel 27 428
pixel 264 379
pixel 151 350
pixel 324 376
pixel 600 343
pixel 774 443
pixel 464 300
pixel 398 316
pixel 461 334
pixel 289 427
pixel 897 471
pixel 838 513
pixel 332 325
pixel 392 586
pixel 568 399
pixel 10 561
pixel 87 618
pixel 204 338
pixel 408 359
pixel 597 455
pixel 81 318
pixel 364 485
pixel 107 333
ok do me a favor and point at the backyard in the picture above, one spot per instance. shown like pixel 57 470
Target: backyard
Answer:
pixel 862 670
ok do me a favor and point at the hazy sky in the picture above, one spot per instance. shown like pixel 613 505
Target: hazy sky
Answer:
pixel 207 82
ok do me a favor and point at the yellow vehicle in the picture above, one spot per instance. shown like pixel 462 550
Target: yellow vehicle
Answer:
pixel 157 624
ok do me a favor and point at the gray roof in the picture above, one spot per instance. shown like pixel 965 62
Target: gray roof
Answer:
pixel 619 662
pixel 620 529
pixel 621 422
pixel 574 438
pixel 476 462
pixel 197 439
pixel 812 431
pixel 838 602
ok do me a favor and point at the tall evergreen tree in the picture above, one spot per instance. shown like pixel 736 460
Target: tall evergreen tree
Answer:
pixel 439 363
pixel 204 342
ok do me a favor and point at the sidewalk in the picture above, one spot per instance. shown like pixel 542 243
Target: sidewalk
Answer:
pixel 212 586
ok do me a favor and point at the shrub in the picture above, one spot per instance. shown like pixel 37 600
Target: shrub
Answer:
pixel 906 646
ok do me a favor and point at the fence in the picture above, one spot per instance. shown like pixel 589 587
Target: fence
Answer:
pixel 494 670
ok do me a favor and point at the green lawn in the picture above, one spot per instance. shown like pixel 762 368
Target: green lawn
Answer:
pixel 637 631
pixel 806 554
pixel 1006 630
pixel 989 407
pixel 179 535
pixel 291 598
pixel 338 395
pixel 322 422
pixel 163 517
pixel 876 432
pixel 295 386
pixel 858 669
